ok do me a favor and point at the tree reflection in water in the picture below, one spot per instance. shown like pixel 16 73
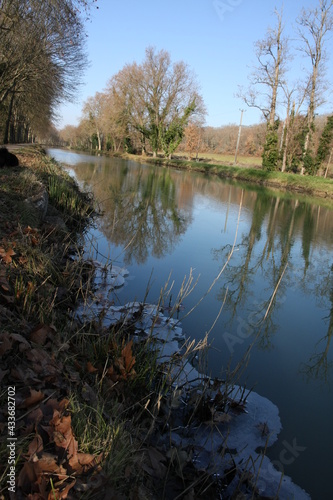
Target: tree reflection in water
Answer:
pixel 267 249
pixel 319 365
pixel 140 207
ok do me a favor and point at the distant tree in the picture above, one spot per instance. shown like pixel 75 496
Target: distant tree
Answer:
pixel 193 139
pixel 83 136
pixel 49 136
pixel 223 139
pixel 93 113
pixel 68 135
pixel 113 125
pixel 250 147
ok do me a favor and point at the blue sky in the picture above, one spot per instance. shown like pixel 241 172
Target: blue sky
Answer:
pixel 215 38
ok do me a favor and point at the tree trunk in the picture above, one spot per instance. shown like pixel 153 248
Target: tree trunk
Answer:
pixel 143 145
pixel 328 163
pixel 311 117
pixel 99 140
pixel 286 134
pixel 9 117
pixel 276 74
pixel 285 148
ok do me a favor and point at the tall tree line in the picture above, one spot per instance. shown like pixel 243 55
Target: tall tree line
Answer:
pixel 42 58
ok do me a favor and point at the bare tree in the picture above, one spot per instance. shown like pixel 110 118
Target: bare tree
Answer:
pixel 193 139
pixel 93 111
pixel 127 112
pixel 294 98
pixel 314 27
pixel 265 81
pixel 267 76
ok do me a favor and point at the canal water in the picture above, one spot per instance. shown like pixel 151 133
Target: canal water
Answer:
pixel 262 265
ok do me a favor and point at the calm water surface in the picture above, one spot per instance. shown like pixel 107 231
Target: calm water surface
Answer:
pixel 165 224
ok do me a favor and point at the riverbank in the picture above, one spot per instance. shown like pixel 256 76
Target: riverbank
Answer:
pixel 102 399
pixel 317 187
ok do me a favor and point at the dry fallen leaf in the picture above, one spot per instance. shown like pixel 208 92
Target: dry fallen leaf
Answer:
pixel 53 404
pixel 112 374
pixel 35 416
pixel 89 394
pixel 35 446
pixel 129 359
pixel 154 465
pixel 25 374
pixel 221 418
pixel 27 477
pixel 63 433
pixel 34 241
pixel 4 283
pixel 91 368
pixel 61 494
pixel 19 338
pixel 49 463
pixel 40 333
pixel 7 255
pixel 34 398
pixel 6 343
pixel 156 460
pixel 82 462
